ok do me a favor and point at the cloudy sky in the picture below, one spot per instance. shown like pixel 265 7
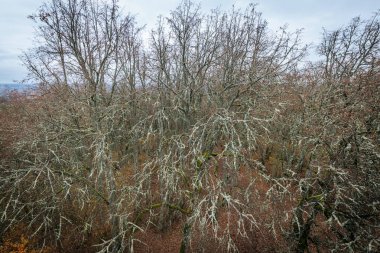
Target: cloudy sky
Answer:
pixel 16 31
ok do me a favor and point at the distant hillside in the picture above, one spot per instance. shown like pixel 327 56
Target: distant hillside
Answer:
pixel 6 87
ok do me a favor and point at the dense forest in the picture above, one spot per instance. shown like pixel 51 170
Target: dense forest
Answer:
pixel 214 134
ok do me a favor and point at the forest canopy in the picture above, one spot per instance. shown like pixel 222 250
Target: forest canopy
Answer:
pixel 210 136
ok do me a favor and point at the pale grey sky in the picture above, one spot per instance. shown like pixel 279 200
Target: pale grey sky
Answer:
pixel 16 31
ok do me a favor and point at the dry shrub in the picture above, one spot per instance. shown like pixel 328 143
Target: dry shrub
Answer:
pixel 18 240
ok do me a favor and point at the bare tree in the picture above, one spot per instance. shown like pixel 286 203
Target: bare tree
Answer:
pixel 334 147
pixel 88 53
pixel 209 71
